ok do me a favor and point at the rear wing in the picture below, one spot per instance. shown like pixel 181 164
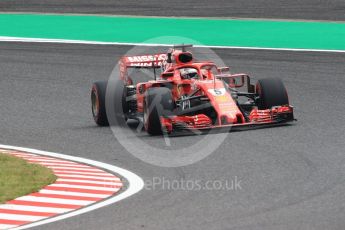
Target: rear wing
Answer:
pixel 140 61
pixel 144 60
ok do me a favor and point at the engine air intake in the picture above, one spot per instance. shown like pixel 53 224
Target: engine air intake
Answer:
pixel 185 57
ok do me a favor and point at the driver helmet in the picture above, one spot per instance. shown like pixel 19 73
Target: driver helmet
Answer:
pixel 188 73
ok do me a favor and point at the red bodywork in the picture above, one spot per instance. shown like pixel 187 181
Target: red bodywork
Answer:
pixel 210 85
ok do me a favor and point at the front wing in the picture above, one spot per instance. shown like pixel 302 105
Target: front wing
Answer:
pixel 256 119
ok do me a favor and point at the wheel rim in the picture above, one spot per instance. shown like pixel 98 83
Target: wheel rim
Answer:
pixel 95 104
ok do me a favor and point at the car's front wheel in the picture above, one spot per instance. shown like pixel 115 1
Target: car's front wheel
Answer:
pixel 158 102
pixel 271 92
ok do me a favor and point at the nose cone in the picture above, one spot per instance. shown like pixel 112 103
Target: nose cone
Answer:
pixel 231 118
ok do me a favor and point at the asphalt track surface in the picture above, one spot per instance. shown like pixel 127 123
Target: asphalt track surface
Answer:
pixel 292 177
pixel 296 9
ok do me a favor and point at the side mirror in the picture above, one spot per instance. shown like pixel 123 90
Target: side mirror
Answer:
pixel 236 81
pixel 223 70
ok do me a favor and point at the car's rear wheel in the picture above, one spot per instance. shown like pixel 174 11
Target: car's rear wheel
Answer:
pixel 98 103
pixel 158 103
pixel 271 92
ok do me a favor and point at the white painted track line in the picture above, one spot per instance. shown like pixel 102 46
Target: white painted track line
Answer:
pixel 66 41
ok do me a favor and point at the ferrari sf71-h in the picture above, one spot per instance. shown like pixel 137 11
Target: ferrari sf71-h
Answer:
pixel 191 95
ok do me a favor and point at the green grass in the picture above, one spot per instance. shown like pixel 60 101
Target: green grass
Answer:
pixel 18 177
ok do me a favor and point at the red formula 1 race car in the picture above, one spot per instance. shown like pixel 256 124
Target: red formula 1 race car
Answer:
pixel 191 95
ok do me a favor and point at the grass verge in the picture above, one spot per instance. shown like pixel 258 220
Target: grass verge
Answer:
pixel 19 177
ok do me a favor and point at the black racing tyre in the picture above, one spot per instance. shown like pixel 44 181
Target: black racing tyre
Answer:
pixel 271 92
pixel 98 103
pixel 158 102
